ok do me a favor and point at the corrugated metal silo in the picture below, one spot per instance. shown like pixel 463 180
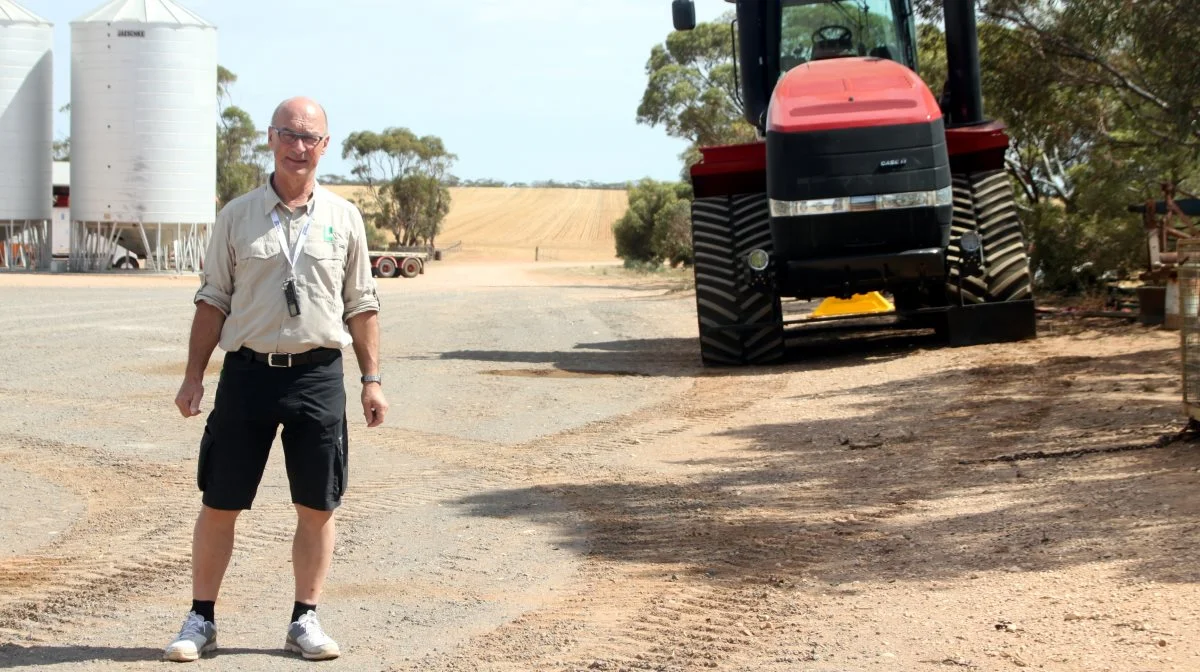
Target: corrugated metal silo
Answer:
pixel 143 132
pixel 26 135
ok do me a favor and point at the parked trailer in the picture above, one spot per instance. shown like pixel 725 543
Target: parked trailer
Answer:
pixel 391 264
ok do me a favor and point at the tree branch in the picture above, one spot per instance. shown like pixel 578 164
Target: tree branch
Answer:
pixel 1065 48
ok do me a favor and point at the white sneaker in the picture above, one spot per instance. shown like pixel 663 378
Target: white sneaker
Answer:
pixel 196 637
pixel 306 638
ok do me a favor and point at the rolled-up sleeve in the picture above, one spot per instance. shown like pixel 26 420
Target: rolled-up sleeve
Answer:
pixel 359 293
pixel 216 279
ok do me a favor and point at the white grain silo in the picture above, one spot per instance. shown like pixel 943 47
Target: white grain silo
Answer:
pixel 26 136
pixel 143 135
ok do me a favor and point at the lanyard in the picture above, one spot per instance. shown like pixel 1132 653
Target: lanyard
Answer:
pixel 299 240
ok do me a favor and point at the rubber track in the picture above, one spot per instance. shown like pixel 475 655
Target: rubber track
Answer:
pixel 724 229
pixel 984 202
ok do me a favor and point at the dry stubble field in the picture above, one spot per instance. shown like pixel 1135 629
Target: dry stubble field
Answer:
pixel 506 223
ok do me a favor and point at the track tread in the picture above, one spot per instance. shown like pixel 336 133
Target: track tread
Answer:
pixel 724 230
pixel 984 202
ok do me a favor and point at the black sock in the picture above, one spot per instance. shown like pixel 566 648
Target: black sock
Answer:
pixel 205 609
pixel 299 609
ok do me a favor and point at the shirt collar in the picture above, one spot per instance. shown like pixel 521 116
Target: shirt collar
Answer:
pixel 271 198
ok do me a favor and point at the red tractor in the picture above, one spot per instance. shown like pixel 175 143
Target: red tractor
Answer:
pixel 860 180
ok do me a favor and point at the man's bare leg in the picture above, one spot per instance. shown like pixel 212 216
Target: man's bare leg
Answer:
pixel 312 552
pixel 212 546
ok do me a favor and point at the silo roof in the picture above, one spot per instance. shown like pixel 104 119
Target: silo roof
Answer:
pixel 143 11
pixel 11 12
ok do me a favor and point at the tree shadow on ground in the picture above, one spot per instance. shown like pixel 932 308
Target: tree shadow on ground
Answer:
pixel 680 357
pixel 906 486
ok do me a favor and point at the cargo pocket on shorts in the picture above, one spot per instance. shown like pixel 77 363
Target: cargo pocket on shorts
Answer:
pixel 341 460
pixel 206 442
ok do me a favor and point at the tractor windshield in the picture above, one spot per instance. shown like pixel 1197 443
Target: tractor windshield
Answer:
pixel 812 30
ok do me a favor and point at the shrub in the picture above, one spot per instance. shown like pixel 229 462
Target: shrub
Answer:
pixel 656 227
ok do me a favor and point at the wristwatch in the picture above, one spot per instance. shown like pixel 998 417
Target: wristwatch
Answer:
pixel 376 378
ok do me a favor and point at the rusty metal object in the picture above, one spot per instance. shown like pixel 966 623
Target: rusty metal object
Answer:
pixel 1167 222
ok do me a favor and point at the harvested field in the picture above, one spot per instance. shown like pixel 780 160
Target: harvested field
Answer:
pixel 519 223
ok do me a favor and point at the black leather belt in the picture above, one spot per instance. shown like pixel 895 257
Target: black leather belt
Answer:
pixel 285 360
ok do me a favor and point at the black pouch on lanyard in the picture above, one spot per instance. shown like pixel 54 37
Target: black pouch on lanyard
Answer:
pixel 289 295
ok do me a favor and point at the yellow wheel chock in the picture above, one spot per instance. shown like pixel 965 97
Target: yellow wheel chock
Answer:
pixel 873 302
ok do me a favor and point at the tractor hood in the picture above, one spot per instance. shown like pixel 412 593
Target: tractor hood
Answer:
pixel 849 93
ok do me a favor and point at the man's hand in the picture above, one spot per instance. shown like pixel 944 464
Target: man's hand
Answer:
pixel 188 399
pixel 206 331
pixel 374 405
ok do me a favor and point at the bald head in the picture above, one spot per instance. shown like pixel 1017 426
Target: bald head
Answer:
pixel 299 138
pixel 300 107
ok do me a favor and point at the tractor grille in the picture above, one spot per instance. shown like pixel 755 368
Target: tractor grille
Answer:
pixel 1189 323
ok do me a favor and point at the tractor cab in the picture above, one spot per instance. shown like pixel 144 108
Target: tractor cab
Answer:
pixel 776 36
pixel 814 30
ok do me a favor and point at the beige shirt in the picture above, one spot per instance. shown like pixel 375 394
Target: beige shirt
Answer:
pixel 245 269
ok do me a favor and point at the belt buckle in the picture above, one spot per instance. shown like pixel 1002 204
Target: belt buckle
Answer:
pixel 271 359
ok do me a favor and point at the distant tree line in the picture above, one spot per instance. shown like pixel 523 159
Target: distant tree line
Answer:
pixel 455 181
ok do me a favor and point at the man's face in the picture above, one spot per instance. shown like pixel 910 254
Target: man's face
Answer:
pixel 299 139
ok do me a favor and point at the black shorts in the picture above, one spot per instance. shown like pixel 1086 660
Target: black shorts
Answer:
pixel 252 400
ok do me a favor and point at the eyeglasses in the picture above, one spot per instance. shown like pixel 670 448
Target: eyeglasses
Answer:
pixel 289 136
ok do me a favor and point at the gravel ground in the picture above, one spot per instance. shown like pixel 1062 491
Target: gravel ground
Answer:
pixel 559 486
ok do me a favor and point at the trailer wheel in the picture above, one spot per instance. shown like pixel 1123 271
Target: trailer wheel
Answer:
pixel 410 267
pixel 386 267
pixel 738 324
pixel 984 202
pixel 127 262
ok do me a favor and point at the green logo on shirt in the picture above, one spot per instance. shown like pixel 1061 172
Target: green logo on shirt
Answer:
pixel 329 234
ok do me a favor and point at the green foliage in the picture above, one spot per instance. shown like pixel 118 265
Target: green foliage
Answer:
pixel 61 149
pixel 377 238
pixel 931 57
pixel 690 88
pixel 656 227
pixel 1101 100
pixel 406 177
pixel 242 155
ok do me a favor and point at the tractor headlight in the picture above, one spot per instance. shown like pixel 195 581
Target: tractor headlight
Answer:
pixel 758 260
pixel 944 196
pixel 912 199
pixel 818 206
pixel 828 206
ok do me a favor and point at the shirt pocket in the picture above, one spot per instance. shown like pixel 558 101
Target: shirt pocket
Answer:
pixel 260 248
pixel 326 263
pixel 259 260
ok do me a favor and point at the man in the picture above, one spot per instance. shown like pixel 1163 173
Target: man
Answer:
pixel 286 286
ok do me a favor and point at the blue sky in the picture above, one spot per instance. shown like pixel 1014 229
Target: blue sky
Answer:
pixel 520 90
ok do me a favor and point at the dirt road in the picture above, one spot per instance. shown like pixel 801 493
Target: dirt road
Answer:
pixel 561 487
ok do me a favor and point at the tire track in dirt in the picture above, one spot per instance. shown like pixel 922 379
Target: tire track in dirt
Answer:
pixel 136 533
pixel 673 539
pixel 129 506
pixel 709 399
